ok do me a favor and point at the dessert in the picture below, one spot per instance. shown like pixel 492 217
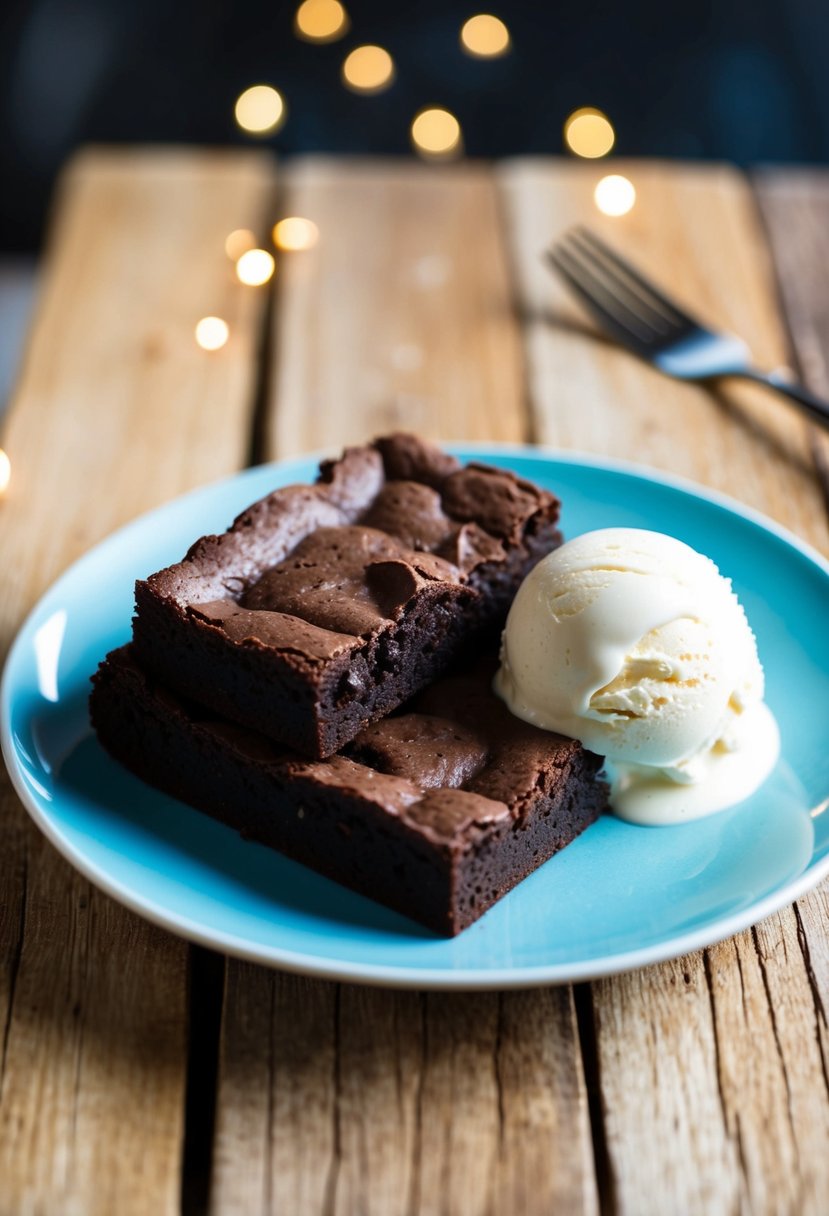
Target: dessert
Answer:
pixel 436 811
pixel 324 607
pixel 636 645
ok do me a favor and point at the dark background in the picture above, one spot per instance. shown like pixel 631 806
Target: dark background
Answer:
pixel 743 80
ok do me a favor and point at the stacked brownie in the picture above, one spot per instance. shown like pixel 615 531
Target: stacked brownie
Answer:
pixel 319 678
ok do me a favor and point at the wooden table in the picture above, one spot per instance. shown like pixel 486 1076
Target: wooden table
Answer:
pixel 143 1075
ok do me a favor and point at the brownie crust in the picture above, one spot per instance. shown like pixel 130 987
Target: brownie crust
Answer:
pixel 324 607
pixel 436 812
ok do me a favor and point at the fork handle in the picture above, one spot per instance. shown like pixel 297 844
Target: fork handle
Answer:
pixel 815 407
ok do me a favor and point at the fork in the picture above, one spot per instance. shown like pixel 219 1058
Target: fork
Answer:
pixel 639 315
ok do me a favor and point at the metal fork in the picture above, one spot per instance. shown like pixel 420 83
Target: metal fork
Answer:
pixel 639 315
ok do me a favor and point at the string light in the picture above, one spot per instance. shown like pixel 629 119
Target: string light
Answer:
pixel 436 133
pixel 485 36
pixel 239 241
pixel 255 267
pixel 589 133
pixel 5 472
pixel 321 21
pixel 260 109
pixel 212 333
pixel 614 194
pixel 295 233
pixel 368 69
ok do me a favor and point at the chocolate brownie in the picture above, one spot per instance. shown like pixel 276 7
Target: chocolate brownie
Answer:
pixel 436 811
pixel 324 607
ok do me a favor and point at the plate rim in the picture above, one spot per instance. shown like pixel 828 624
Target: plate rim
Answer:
pixel 391 975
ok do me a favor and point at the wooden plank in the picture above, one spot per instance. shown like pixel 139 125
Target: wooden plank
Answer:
pixel 401 316
pixel 340 1099
pixel 364 1099
pixel 712 1069
pixel 795 208
pixel 275 1147
pixel 782 1079
pixel 117 409
pixel 813 918
pixel 718 1057
pixel 504 1111
pixel 668 1146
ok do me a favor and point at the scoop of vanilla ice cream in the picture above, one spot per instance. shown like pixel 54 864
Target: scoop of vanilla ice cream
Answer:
pixel 635 644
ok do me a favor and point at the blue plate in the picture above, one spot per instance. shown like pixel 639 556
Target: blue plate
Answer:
pixel 620 897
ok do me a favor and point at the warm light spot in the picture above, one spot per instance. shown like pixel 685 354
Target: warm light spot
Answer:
pixel 255 267
pixel 590 133
pixel 321 20
pixel 368 69
pixel 485 36
pixel 431 271
pixel 295 233
pixel 239 241
pixel 406 357
pixel 212 333
pixel 260 109
pixel 614 195
pixel 5 472
pixel 436 132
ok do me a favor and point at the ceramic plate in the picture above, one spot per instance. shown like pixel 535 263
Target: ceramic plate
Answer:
pixel 619 897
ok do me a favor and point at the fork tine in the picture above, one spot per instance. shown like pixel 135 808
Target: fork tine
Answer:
pixel 622 288
pixel 636 280
pixel 625 326
pixel 617 289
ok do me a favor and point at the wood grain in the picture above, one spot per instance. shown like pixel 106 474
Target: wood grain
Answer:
pixel 668 1146
pixel 117 410
pixel 401 317
pixel 376 1101
pixel 275 1146
pixel 708 1102
pixel 338 1099
pixel 795 208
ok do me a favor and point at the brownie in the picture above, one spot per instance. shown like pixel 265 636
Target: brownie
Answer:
pixel 436 811
pixel 324 607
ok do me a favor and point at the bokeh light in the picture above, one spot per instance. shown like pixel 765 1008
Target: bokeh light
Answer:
pixel 260 109
pixel 212 333
pixel 436 133
pixel 485 36
pixel 614 194
pixel 239 241
pixel 588 132
pixel 255 267
pixel 321 21
pixel 5 472
pixel 368 69
pixel 295 233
